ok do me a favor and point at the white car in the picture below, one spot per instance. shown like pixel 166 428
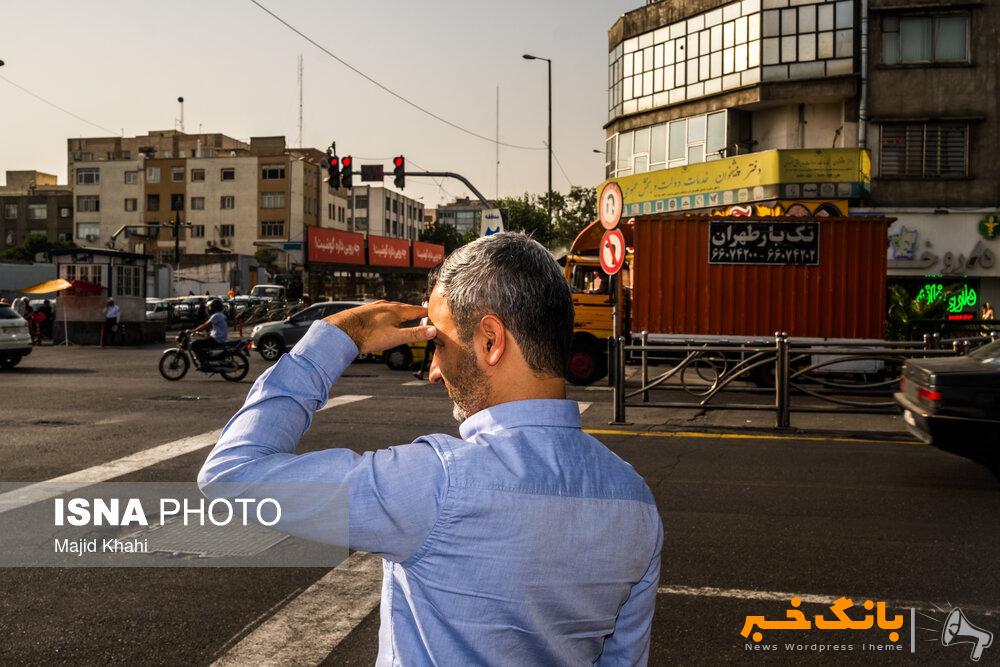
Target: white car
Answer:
pixel 15 340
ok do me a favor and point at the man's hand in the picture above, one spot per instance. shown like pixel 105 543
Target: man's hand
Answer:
pixel 374 327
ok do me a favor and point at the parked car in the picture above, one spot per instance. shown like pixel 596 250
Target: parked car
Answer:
pixel 268 292
pixel 954 403
pixel 15 339
pixel 157 309
pixel 272 339
pixel 403 357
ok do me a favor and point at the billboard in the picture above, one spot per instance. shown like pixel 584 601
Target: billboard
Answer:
pixel 383 251
pixel 427 255
pixel 329 246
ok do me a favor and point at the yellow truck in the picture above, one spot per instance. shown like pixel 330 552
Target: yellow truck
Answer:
pixel 592 319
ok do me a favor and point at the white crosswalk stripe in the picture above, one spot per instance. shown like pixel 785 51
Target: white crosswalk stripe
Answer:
pixel 125 465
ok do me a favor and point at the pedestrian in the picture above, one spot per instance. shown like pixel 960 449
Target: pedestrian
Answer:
pixel 201 314
pixel 35 320
pixel 523 541
pixel 232 293
pixel 110 330
pixel 21 306
pixel 988 312
pixel 49 318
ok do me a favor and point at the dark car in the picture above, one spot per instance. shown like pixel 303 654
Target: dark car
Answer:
pixel 272 339
pixel 954 403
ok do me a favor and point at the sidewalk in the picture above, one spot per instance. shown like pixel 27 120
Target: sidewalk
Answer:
pixel 648 418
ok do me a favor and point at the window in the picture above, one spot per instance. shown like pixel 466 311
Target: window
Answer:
pixel 128 281
pixel 387 202
pixel 38 211
pixel 197 203
pixel 88 203
pixel 177 201
pixel 88 176
pixel 272 172
pixel 177 174
pixel 152 202
pixel 10 211
pixel 227 230
pixel 387 229
pixel 64 213
pixel 83 230
pixel 197 175
pixel 272 228
pixel 228 174
pixel 131 177
pixel 92 273
pixel 924 150
pixel 152 174
pixel 361 201
pixel 919 39
pixel 674 144
pixel 131 204
pixel 227 202
pixel 272 200
pixel 395 206
pixel 361 223
pixel 197 231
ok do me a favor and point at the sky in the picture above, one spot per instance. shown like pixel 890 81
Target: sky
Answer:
pixel 122 64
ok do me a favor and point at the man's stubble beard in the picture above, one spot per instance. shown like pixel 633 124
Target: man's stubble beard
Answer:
pixel 468 387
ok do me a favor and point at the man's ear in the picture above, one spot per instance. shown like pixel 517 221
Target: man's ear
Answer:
pixel 493 339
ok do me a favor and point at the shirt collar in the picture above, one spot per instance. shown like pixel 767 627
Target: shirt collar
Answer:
pixel 536 412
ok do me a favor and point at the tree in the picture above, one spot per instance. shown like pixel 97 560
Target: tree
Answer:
pixel 528 214
pixel 442 234
pixel 268 258
pixel 577 210
pixel 33 245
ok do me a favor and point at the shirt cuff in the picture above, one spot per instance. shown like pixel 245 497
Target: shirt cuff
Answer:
pixel 328 348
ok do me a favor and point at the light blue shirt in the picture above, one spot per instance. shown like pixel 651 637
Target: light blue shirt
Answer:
pixel 219 327
pixel 524 542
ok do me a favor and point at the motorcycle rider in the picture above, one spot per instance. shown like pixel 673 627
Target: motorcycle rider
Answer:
pixel 216 337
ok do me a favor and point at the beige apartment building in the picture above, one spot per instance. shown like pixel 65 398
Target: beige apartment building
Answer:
pixel 228 196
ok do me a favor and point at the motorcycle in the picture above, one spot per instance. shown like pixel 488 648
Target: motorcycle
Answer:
pixel 231 361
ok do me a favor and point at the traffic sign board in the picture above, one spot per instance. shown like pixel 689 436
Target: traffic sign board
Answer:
pixel 492 222
pixel 612 251
pixel 609 205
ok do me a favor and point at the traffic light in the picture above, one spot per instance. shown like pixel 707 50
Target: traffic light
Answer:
pixel 347 171
pixel 333 171
pixel 399 169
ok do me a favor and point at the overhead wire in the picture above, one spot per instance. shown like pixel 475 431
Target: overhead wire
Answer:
pixel 56 106
pixel 386 88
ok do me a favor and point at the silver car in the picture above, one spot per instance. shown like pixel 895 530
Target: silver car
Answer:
pixel 272 339
pixel 15 340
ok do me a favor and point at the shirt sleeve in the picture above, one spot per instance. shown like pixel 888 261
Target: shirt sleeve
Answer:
pixel 392 494
pixel 629 643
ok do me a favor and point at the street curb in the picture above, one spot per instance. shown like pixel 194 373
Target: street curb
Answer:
pixel 873 436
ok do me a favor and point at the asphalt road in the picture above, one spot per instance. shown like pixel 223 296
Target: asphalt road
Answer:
pixel 750 521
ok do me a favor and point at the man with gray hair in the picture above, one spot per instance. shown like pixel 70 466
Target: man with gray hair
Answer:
pixel 523 541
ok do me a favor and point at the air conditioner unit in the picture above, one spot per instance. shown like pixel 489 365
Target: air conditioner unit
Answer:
pixel 225 243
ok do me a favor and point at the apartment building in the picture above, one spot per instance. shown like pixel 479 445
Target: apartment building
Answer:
pixel 463 214
pixel 32 202
pixel 228 196
pixel 383 212
pixel 818 107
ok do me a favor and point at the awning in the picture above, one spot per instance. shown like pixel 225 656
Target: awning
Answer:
pixel 47 287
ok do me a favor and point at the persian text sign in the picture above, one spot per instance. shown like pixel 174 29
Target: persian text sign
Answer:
pixel 334 247
pixel 778 243
pixel 384 251
pixel 427 255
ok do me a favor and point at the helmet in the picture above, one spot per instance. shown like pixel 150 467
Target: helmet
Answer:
pixel 215 305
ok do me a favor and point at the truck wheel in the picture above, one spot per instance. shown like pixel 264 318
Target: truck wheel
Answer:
pixel 399 358
pixel 587 363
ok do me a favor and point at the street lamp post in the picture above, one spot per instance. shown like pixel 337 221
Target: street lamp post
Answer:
pixel 528 56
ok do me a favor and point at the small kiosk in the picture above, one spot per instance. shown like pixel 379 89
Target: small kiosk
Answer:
pixel 122 277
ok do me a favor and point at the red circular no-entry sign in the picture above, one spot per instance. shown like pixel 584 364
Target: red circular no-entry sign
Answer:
pixel 612 251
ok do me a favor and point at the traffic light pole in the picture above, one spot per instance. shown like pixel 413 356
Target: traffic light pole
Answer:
pixel 450 174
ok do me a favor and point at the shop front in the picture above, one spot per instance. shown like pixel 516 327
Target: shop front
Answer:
pixel 347 265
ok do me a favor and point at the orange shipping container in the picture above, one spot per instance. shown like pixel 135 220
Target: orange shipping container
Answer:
pixel 677 291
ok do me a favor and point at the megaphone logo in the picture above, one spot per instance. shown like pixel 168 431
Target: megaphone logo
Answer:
pixel 959 630
pixel 490 231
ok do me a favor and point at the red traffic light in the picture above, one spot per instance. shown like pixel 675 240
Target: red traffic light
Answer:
pixel 397 161
pixel 346 162
pixel 333 161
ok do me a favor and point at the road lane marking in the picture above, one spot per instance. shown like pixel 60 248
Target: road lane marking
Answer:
pixel 308 628
pixel 748 436
pixel 415 383
pixel 776 596
pixel 583 405
pixel 33 493
pixel 597 388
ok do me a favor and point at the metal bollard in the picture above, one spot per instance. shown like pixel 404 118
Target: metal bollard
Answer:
pixel 928 341
pixel 644 338
pixel 618 390
pixel 781 407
